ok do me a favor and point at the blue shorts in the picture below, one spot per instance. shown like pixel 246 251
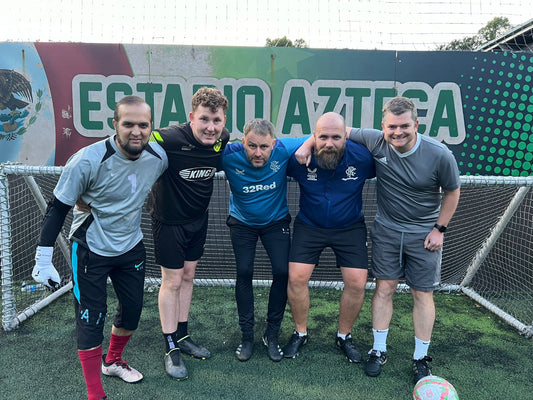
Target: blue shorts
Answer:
pixel 175 244
pixel 397 255
pixel 348 244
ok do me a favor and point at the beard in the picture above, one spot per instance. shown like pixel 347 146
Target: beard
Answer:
pixel 329 158
pixel 262 159
pixel 132 151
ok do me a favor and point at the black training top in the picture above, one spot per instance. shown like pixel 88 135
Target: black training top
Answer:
pixel 182 193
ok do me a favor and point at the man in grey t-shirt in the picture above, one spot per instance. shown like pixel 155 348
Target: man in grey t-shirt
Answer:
pixel 411 219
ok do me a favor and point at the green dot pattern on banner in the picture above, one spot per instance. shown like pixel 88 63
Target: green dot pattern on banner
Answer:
pixel 498 110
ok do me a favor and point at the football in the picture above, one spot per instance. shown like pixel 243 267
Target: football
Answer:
pixel 434 388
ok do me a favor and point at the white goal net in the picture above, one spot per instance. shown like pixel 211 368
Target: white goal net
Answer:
pixel 487 251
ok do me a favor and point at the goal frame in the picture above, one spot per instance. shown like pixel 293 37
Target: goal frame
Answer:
pixel 11 318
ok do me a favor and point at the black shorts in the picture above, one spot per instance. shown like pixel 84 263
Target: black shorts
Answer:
pixel 90 274
pixel 348 244
pixel 175 244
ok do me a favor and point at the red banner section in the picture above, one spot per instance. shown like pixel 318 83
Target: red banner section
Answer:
pixel 62 61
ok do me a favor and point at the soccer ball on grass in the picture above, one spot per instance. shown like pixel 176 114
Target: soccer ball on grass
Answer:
pixel 434 388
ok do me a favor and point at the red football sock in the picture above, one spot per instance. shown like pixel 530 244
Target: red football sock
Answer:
pixel 116 347
pixel 90 364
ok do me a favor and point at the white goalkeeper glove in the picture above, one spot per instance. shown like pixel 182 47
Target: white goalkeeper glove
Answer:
pixel 44 271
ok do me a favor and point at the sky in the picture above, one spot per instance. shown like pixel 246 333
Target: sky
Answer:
pixel 337 24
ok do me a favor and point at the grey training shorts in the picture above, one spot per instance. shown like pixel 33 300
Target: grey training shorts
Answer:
pixel 397 255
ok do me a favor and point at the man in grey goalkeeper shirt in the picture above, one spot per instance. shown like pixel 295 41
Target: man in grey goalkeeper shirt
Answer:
pixel 113 177
pixel 411 219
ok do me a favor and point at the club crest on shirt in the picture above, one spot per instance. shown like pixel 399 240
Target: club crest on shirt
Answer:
pixel 274 166
pixel 351 174
pixel 312 174
pixel 217 146
pixel 239 171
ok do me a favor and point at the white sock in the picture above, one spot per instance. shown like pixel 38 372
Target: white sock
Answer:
pixel 380 339
pixel 343 337
pixel 421 349
pixel 301 334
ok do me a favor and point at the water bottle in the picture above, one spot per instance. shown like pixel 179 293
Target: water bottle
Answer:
pixel 32 287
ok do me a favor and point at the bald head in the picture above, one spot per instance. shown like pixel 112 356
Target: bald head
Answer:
pixel 330 140
pixel 330 120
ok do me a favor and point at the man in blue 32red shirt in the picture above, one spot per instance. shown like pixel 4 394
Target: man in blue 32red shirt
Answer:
pixel 256 170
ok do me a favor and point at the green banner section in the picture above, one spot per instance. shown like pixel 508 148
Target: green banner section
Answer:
pixel 479 104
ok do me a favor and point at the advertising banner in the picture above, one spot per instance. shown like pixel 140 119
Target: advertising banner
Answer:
pixel 58 97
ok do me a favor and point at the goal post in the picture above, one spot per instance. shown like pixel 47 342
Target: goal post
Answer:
pixel 500 274
pixel 487 251
pixel 17 307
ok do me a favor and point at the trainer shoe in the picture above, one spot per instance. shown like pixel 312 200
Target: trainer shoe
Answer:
pixel 174 365
pixel 274 351
pixel 121 369
pixel 375 361
pixel 290 350
pixel 187 346
pixel 244 351
pixel 352 353
pixel 421 368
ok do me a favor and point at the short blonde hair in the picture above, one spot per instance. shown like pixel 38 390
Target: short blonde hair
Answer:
pixel 400 105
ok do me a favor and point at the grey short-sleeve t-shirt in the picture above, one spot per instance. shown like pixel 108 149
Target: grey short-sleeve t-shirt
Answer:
pixel 115 187
pixel 409 184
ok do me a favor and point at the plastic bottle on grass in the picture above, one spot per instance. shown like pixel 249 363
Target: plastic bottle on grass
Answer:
pixel 32 287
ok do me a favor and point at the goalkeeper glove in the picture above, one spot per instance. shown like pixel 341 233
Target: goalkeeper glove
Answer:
pixel 44 271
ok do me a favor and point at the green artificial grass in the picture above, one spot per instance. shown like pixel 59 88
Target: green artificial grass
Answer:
pixel 472 348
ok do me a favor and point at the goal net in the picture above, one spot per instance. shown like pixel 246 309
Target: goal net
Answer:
pixel 487 250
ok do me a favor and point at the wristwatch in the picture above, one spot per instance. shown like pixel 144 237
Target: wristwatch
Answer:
pixel 440 228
